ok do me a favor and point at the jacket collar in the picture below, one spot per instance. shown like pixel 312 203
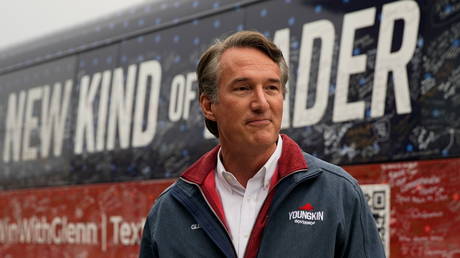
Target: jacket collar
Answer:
pixel 291 160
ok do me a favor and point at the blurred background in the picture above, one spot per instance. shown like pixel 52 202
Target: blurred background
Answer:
pixel 99 112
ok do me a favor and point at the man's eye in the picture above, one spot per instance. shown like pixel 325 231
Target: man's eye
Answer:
pixel 273 88
pixel 242 88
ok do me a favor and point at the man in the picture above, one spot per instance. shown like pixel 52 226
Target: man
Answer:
pixel 256 194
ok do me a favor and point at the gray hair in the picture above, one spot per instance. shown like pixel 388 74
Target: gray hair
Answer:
pixel 208 67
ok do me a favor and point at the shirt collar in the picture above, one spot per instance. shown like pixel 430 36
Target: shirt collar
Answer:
pixel 265 172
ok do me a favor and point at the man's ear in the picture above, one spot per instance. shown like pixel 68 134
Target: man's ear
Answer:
pixel 206 107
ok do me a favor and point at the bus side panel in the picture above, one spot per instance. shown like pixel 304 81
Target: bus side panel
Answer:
pixel 102 220
pixel 422 211
pixel 105 220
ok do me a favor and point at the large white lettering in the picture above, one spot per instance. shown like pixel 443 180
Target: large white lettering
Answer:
pixel 14 121
pixel 30 124
pixel 190 94
pixel 349 64
pixel 176 98
pixel 396 62
pixel 85 118
pixel 149 80
pixel 30 129
pixel 102 110
pixel 324 31
pixel 53 117
pixel 149 77
pixel 121 106
pixel 181 97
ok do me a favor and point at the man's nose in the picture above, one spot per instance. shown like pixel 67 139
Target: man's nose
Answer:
pixel 259 102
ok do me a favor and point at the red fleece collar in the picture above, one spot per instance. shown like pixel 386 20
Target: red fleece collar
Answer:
pixel 290 161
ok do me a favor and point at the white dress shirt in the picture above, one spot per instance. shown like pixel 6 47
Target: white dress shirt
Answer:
pixel 241 206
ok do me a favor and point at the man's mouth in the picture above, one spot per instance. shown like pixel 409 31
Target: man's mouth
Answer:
pixel 258 122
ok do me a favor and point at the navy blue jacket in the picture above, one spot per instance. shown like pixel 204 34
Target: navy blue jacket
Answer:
pixel 311 211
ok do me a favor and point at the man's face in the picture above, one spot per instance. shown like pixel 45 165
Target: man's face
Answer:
pixel 249 104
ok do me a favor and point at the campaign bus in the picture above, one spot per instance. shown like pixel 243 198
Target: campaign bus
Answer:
pixel 96 121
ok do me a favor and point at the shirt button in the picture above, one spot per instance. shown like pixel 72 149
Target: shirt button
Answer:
pixel 246 235
pixel 227 177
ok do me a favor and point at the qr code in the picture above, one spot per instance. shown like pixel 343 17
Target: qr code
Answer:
pixel 378 199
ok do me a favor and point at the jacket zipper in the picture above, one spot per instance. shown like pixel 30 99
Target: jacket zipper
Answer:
pixel 213 211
